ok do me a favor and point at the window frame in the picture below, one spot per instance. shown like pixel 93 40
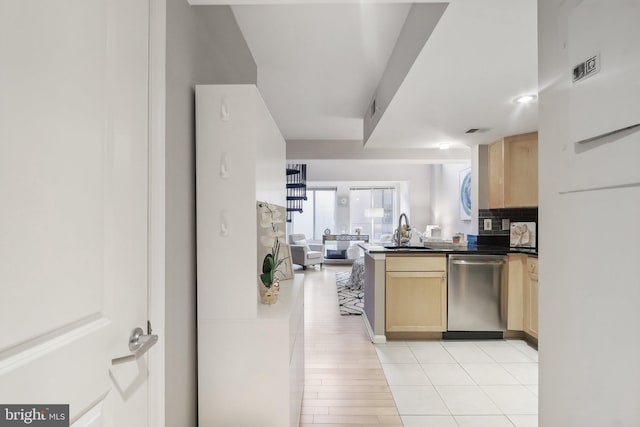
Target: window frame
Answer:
pixel 312 192
pixel 394 209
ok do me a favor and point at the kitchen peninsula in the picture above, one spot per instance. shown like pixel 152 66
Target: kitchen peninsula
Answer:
pixel 406 292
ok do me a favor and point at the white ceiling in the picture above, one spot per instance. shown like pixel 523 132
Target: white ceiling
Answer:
pixel 320 64
pixel 482 54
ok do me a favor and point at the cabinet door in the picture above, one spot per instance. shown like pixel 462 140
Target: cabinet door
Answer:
pixel 496 175
pixel 533 305
pixel 437 263
pixel 416 301
pixel 521 170
pixel 515 294
pixel 531 298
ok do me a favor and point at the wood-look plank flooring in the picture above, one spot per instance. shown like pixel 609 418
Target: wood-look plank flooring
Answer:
pixel 344 382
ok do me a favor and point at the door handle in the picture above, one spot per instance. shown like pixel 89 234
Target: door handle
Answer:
pixel 139 343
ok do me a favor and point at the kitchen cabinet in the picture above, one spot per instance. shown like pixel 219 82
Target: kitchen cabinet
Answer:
pixel 515 292
pixel 531 298
pixel 416 294
pixel 522 308
pixel 513 171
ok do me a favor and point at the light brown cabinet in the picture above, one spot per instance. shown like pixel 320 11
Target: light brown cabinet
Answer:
pixel 513 171
pixel 416 294
pixel 522 309
pixel 531 298
pixel 515 292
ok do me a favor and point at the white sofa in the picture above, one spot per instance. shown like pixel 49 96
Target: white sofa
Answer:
pixel 304 253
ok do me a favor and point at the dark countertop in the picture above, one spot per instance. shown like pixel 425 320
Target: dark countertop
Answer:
pixel 478 249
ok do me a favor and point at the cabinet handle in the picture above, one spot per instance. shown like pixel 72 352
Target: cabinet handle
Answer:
pixel 465 262
pixel 623 129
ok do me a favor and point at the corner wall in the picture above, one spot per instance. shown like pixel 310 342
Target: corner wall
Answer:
pixel 445 205
pixel 589 286
pixel 479 184
pixel 204 46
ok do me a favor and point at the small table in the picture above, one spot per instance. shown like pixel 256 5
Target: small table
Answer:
pixel 339 240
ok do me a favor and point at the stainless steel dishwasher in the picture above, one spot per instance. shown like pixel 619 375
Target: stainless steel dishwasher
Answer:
pixel 477 296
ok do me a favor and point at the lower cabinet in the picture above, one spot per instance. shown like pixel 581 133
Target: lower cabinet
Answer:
pixel 515 292
pixel 251 370
pixel 523 294
pixel 416 294
pixel 531 298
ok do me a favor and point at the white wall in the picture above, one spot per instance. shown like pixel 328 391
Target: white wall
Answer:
pixel 589 282
pixel 412 180
pixel 445 192
pixel 270 180
pixel 479 183
pixel 204 45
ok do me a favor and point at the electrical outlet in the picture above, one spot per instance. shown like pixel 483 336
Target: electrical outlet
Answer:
pixel 505 224
pixel 487 224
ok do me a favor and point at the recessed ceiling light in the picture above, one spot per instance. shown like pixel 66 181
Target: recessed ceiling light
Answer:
pixel 443 146
pixel 525 99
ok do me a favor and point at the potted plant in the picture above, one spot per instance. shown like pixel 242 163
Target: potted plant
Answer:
pixel 269 281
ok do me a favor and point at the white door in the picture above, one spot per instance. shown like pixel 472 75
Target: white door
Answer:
pixel 74 206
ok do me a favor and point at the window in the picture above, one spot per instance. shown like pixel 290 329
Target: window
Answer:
pixel 372 210
pixel 318 213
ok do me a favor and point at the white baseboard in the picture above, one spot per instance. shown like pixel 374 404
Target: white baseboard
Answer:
pixel 376 339
pixel 379 339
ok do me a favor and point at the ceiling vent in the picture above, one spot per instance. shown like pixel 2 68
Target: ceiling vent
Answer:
pixel 472 130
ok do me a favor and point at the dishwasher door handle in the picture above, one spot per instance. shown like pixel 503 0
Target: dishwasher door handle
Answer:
pixel 464 262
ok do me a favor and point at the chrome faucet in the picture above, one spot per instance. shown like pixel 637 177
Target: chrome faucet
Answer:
pixel 399 230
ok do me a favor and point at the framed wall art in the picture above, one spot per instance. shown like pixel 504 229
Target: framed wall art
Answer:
pixel 464 194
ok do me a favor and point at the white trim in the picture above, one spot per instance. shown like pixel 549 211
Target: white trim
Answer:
pixel 157 112
pixel 379 339
pixel 51 344
pixel 376 339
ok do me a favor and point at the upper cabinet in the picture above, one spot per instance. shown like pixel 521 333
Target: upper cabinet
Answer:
pixel 513 172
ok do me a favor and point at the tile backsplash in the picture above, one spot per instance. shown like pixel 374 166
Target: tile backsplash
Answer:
pixel 497 215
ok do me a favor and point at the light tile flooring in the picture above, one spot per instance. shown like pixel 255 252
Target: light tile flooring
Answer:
pixel 416 384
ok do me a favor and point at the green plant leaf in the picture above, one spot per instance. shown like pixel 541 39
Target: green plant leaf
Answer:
pixel 266 279
pixel 267 264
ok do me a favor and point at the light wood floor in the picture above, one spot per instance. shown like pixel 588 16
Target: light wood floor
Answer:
pixel 345 384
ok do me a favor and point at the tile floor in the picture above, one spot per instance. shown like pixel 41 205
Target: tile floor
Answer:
pixel 462 383
pixel 350 381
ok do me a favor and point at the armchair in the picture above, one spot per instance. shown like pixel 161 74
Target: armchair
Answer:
pixel 303 253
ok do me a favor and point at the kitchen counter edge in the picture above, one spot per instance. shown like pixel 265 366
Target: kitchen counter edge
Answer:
pixel 497 250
